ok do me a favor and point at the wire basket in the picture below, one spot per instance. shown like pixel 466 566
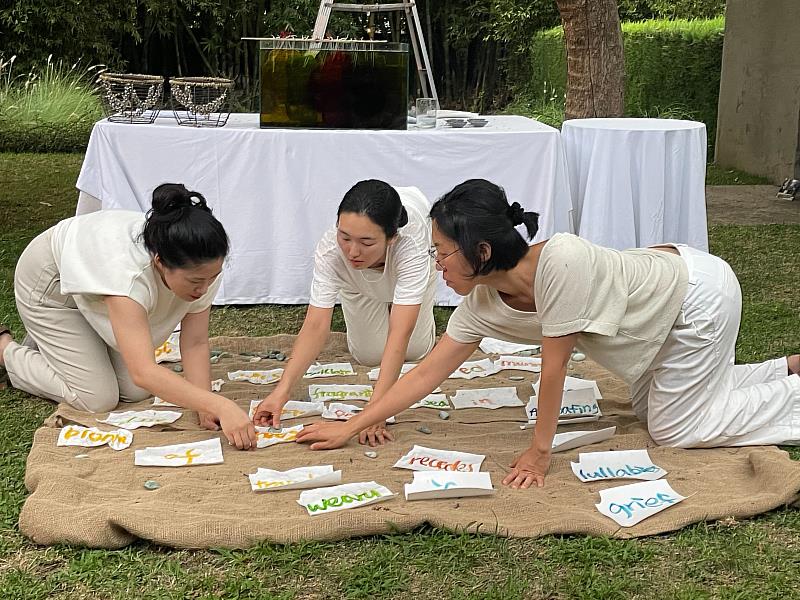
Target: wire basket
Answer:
pixel 131 98
pixel 201 101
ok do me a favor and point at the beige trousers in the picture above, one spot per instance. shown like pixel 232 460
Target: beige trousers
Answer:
pixel 367 323
pixel 72 363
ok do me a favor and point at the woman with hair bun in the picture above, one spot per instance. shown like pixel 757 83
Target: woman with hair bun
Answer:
pixel 376 261
pixel 97 294
pixel 664 319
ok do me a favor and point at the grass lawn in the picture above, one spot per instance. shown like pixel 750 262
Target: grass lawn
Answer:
pixel 757 558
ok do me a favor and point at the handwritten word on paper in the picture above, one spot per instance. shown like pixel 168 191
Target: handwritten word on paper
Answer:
pixel 431 484
pixel 575 439
pixel 337 411
pixel 341 497
pixel 267 480
pixel 207 452
pixel 438 401
pixel 575 383
pixel 420 458
pixel 491 398
pixel 574 403
pixel 259 377
pixel 269 437
pixel 340 393
pixel 631 504
pixel 329 370
pixel 76 435
pixel 293 409
pixel 133 419
pixel 475 368
pixel 619 464
pixel 519 363
pixel 170 350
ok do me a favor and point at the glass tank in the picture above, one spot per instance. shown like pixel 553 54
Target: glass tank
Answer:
pixel 333 84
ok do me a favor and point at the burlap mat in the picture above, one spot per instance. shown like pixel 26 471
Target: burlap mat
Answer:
pixel 100 501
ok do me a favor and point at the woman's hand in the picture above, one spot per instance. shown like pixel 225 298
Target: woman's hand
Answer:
pixel 325 436
pixel 268 413
pixel 208 421
pixel 375 435
pixel 528 468
pixel 237 427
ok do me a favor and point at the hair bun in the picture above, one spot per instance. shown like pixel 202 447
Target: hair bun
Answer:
pixel 172 199
pixel 516 214
pixel 403 221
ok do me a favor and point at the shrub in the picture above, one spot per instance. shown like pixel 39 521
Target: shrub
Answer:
pixel 48 110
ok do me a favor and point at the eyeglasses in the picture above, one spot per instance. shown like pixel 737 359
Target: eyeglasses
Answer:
pixel 434 254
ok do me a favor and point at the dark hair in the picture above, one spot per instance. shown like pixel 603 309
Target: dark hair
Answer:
pixel 377 200
pixel 181 229
pixel 477 211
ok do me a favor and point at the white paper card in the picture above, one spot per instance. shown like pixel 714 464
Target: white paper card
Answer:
pixel 133 419
pixel 170 351
pixel 616 464
pixel 216 385
pixel 267 436
pixel 207 452
pixel 420 458
pixel 293 409
pixel 576 383
pixel 576 439
pixel 439 401
pixel 260 377
pixel 630 504
pixel 159 402
pixel 474 368
pixel 491 398
pixel 341 497
pixel 519 363
pixel 267 480
pixel 76 435
pixel 336 411
pixel 433 484
pixel 495 346
pixel 375 373
pixel 329 370
pixel 339 393
pixel 574 404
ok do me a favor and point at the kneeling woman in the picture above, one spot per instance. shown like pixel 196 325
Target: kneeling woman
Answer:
pixel 377 262
pixel 664 319
pixel 97 293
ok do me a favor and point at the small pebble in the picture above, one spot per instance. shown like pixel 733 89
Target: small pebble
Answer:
pixel 216 352
pixel 151 484
pixel 578 356
pixel 81 456
pixel 177 369
pixel 214 359
pixel 517 378
pixel 443 415
pixel 524 353
pixel 255 359
pixel 423 429
pixel 371 454
pixel 280 356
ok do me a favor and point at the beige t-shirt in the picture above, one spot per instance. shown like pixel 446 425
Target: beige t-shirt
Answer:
pixel 405 277
pixel 621 303
pixel 101 254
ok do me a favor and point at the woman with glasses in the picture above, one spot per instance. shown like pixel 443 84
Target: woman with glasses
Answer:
pixel 376 262
pixel 664 319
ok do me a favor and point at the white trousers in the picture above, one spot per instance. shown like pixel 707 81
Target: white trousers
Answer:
pixel 72 363
pixel 367 322
pixel 693 396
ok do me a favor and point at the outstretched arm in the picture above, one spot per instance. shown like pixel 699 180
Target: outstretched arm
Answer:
pixel 445 358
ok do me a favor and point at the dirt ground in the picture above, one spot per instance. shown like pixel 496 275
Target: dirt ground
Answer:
pixel 749 205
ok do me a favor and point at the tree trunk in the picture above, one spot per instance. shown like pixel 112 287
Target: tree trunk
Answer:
pixel 595 63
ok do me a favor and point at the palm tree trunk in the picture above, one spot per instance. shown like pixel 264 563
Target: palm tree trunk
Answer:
pixel 595 64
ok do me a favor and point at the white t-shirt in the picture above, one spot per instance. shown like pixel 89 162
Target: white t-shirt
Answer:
pixel 406 274
pixel 101 254
pixel 621 303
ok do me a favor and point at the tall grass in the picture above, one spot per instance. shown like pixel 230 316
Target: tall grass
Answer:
pixel 49 109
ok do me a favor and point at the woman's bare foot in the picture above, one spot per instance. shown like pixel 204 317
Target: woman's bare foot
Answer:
pixel 794 364
pixel 5 340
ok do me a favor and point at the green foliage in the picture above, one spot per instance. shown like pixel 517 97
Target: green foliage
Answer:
pixel 672 68
pixel 49 109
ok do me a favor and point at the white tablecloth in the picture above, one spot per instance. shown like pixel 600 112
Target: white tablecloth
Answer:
pixel 277 190
pixel 637 182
